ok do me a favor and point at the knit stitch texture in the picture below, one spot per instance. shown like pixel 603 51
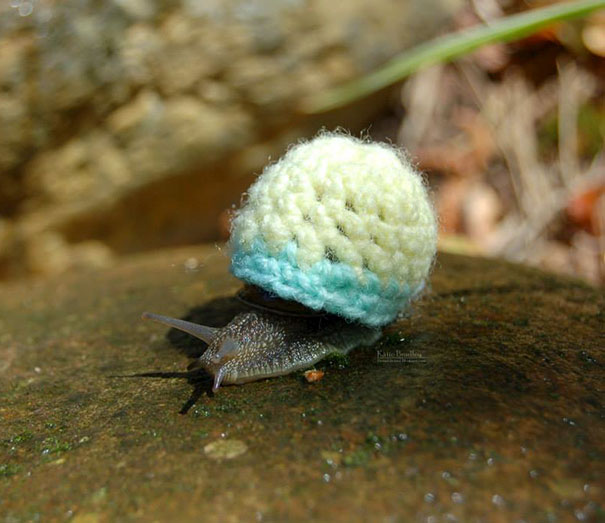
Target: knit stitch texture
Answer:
pixel 340 225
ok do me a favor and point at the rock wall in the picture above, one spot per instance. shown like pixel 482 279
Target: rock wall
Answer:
pixel 131 124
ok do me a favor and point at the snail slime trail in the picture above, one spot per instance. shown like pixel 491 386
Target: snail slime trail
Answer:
pixel 334 241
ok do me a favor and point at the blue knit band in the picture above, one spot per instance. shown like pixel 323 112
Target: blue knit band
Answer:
pixel 326 285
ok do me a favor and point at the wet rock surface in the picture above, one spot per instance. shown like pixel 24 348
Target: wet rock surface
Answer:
pixel 485 401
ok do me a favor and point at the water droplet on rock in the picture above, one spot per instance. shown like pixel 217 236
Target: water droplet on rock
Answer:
pixel 457 497
pixel 498 500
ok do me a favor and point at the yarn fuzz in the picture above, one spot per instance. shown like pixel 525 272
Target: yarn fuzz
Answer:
pixel 338 224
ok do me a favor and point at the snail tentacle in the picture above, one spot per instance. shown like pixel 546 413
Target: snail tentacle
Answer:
pixel 201 332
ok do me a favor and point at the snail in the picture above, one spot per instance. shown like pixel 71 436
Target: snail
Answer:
pixel 333 242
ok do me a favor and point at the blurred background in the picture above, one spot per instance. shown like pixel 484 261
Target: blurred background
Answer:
pixel 132 125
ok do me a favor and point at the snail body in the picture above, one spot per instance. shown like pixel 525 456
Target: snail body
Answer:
pixel 340 227
pixel 261 344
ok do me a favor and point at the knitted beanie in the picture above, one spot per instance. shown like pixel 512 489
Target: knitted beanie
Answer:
pixel 338 224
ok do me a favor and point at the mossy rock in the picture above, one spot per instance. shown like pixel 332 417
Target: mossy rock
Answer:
pixel 484 402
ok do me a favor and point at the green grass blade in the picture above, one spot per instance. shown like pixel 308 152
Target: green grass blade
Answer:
pixel 447 48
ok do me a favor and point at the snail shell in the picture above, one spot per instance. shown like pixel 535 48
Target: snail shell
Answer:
pixel 340 225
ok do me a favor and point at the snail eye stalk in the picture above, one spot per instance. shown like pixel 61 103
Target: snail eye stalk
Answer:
pixel 201 332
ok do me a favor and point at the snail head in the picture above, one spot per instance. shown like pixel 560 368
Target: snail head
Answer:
pixel 234 351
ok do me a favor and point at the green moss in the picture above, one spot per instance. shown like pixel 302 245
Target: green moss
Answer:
pixel 374 444
pixel 53 445
pixel 228 407
pixel 201 412
pixel 8 469
pixel 357 458
pixel 18 439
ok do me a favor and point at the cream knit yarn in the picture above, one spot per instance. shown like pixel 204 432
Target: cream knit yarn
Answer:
pixel 338 224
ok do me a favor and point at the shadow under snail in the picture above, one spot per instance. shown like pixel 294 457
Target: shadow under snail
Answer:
pixel 333 242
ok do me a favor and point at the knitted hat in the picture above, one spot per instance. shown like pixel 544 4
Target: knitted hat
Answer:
pixel 340 225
